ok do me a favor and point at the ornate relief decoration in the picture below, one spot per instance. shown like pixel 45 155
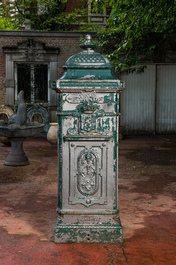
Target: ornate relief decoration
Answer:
pixel 88 111
pixel 88 122
pixel 72 130
pixel 87 181
pixel 87 173
pixel 89 97
pixel 31 50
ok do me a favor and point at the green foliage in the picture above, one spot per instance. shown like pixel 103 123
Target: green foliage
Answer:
pixel 49 15
pixel 7 24
pixel 62 21
pixel 136 30
pixel 91 27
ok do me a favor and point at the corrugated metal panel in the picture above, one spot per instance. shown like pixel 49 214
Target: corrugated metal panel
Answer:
pixel 166 99
pixel 138 102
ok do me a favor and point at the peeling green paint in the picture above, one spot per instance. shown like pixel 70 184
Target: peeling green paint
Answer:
pixel 88 109
pixel 109 99
pixel 60 159
pixel 89 233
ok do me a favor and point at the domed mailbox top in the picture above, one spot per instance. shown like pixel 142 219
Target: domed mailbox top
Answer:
pixel 88 70
pixel 88 58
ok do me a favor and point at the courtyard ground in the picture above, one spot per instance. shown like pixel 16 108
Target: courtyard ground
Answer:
pixel 147 203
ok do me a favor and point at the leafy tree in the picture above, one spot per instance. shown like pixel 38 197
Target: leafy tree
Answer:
pixel 7 24
pixel 49 15
pixel 136 30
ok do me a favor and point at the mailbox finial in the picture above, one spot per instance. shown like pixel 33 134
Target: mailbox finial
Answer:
pixel 88 38
pixel 88 45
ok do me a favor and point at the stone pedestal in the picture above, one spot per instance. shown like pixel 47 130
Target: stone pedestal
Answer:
pixel 17 134
pixel 17 156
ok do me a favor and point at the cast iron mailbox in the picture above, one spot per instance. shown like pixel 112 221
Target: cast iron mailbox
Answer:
pixel 88 109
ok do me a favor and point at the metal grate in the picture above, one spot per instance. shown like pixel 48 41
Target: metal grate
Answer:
pixel 33 80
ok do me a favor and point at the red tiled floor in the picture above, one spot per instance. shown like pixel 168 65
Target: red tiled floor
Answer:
pixel 147 202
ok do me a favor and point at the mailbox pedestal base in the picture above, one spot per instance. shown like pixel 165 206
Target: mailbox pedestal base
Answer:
pixel 88 229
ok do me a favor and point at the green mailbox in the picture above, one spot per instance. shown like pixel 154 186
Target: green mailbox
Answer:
pixel 88 117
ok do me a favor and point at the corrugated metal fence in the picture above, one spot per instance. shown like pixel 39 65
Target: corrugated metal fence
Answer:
pixel 148 104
